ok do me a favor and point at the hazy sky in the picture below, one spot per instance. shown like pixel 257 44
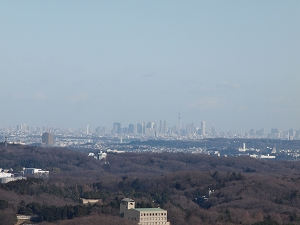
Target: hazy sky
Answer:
pixel 233 64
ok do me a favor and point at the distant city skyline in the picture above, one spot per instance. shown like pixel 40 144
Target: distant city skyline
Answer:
pixel 233 64
pixel 160 126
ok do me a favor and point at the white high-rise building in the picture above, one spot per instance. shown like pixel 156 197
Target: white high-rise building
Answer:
pixel 203 127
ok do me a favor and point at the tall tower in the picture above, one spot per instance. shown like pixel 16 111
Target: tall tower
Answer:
pixel 203 127
pixel 179 120
pixel 126 204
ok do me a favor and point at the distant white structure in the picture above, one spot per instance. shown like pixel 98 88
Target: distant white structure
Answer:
pixel 36 173
pixel 273 150
pixel 99 156
pixel 243 149
pixel 4 180
pixel 143 216
pixel 267 156
pixel 91 154
pixel 7 177
pixel 210 192
pixel 23 217
pixel 3 174
pixel 116 151
pixel 263 156
pixel 254 156
pixel 89 201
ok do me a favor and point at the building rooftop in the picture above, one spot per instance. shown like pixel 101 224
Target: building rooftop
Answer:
pixel 127 200
pixel 149 209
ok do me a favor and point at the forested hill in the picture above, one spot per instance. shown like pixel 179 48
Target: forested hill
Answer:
pixel 145 164
pixel 244 190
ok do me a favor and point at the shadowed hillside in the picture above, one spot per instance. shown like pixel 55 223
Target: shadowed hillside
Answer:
pixel 243 190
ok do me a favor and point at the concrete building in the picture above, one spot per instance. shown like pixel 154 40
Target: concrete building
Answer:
pixel 36 173
pixel 4 174
pixel 4 180
pixel 47 139
pixel 143 216
pixel 7 177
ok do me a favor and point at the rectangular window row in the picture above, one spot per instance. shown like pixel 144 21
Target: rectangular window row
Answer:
pixel 154 218
pixel 153 214
pixel 152 223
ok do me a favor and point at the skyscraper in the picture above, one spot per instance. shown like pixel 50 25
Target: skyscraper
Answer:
pixel 292 133
pixel 160 126
pixel 150 128
pixel 131 128
pixel 150 125
pixel 190 129
pixel 203 124
pixel 116 128
pixel 140 128
pixel 165 129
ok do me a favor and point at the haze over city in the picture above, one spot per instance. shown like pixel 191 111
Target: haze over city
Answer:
pixel 233 64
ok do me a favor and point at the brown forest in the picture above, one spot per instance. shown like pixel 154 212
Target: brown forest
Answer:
pixel 243 190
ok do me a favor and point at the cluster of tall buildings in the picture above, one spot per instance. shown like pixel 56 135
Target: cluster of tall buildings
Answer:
pixel 149 128
pixel 153 129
